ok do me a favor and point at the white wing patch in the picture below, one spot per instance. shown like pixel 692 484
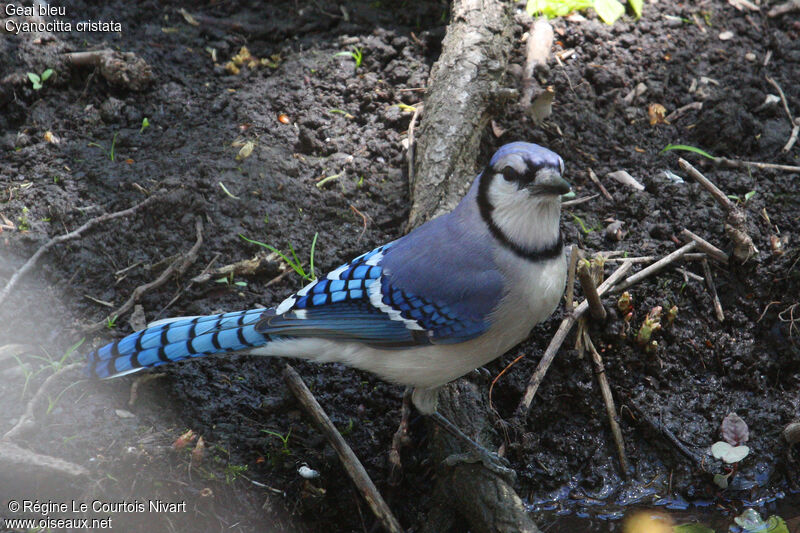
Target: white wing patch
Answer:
pixel 285 305
pixel 376 299
pixel 374 260
pixel 334 275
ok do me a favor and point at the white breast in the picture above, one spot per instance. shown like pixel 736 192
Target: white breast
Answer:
pixel 534 291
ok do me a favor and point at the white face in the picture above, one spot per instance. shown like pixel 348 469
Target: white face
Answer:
pixel 527 214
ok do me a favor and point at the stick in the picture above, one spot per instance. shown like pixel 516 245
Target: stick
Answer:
pixel 783 98
pixel 707 247
pixel 596 181
pixel 648 258
pixel 578 201
pixel 733 163
pixel 178 267
pixel 573 261
pixel 687 274
pixel 351 464
pixel 713 290
pixel 411 147
pixel 28 419
pixel 590 292
pixel 68 236
pixel 608 400
pixel 658 427
pixel 718 195
pixel 558 339
pixel 29 462
pixel 793 136
pixel 655 267
pixel 400 438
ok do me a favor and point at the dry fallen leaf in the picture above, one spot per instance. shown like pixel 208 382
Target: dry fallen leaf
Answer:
pixel 734 430
pixel 542 106
pixel 657 114
pixel 199 451
pixel 497 129
pixel 246 150
pixel 188 17
pixel 184 440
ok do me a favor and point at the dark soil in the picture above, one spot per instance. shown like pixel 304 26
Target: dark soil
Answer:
pixel 312 114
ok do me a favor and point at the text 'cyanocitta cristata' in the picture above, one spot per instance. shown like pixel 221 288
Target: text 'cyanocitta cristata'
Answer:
pixel 447 298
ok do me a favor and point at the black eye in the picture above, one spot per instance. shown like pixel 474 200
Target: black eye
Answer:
pixel 511 174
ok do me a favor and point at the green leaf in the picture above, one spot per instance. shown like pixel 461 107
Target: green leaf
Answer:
pixel 686 148
pixel 636 5
pixel 692 528
pixel 729 454
pixel 749 195
pixel 556 8
pixel 46 74
pixel 609 10
pixel 35 79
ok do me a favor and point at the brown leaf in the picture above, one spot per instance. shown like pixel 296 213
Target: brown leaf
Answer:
pixel 657 114
pixel 734 430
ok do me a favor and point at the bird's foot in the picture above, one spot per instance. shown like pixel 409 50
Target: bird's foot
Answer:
pixel 490 460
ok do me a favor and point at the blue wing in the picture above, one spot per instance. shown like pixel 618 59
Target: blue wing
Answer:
pixel 360 302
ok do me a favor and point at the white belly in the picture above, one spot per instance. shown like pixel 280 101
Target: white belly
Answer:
pixel 535 290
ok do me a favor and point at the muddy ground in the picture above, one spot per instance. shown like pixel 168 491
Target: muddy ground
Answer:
pixel 313 114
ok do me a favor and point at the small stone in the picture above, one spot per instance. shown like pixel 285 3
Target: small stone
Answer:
pixel 726 36
pixel 750 56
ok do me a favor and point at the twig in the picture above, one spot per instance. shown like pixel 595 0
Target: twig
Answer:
pixel 138 382
pixel 687 274
pixel 349 460
pixel 713 290
pixel 363 219
pixel 27 461
pixel 655 267
pixel 596 308
pixel 573 263
pixel 707 247
pixel 783 98
pixel 678 113
pixel 537 50
pixel 658 427
pixel 596 181
pixel 411 141
pixel 401 438
pixel 245 267
pixel 68 236
pixel 648 258
pixel 558 339
pixel 578 201
pixel 608 400
pixel 718 195
pixel 28 419
pixel 786 7
pixel 793 136
pixel 278 278
pixel 177 267
pixel 733 163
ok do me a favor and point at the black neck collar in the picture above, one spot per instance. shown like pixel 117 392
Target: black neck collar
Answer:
pixel 531 254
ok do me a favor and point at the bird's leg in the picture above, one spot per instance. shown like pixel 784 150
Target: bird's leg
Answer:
pixel 492 461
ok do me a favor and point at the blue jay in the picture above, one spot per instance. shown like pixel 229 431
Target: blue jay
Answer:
pixel 423 310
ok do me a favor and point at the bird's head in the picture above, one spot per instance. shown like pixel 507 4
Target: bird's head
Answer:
pixel 519 196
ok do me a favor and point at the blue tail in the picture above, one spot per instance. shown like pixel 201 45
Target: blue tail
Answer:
pixel 176 340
